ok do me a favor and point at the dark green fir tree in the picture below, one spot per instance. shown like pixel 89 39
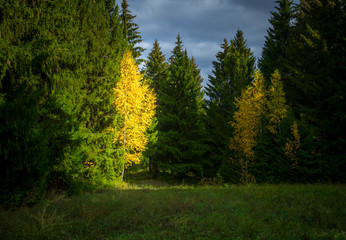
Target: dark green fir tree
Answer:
pixel 180 138
pixel 275 50
pixel 232 72
pixel 317 62
pixel 156 74
pixel 131 30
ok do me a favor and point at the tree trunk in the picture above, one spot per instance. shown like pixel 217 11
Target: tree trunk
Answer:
pixel 123 171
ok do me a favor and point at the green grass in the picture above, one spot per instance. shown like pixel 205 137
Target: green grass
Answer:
pixel 186 212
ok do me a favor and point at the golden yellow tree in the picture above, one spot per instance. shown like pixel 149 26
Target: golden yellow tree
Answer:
pixel 247 123
pixel 136 103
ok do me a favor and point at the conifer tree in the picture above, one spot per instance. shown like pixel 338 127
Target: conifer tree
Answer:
pixel 276 103
pixel 276 45
pixel 317 63
pixel 59 63
pixel 156 67
pixel 131 29
pixel 37 71
pixel 259 138
pixel 247 125
pixel 156 74
pixel 136 104
pixel 97 158
pixel 180 138
pixel 270 162
pixel 232 72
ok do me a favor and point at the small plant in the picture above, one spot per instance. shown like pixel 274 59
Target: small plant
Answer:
pixel 215 181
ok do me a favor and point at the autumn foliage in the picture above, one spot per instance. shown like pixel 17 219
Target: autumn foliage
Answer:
pixel 259 109
pixel 247 120
pixel 136 104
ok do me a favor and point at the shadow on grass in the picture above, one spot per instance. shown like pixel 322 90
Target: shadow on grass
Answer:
pixel 186 212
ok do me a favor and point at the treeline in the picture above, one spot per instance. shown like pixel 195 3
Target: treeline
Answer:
pixel 68 79
pixel 60 61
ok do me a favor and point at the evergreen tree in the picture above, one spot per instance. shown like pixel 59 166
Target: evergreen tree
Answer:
pixel 232 72
pixel 156 74
pixel 96 161
pixel 261 127
pixel 276 45
pixel 38 70
pixel 270 161
pixel 59 63
pixel 131 29
pixel 317 63
pixel 180 137
pixel 156 67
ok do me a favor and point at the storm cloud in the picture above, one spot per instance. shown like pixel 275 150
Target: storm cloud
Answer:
pixel 202 24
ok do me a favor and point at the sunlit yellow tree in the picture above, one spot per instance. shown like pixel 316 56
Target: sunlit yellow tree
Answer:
pixel 247 123
pixel 135 102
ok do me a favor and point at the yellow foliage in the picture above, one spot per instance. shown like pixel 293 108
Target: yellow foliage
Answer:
pixel 247 120
pixel 247 124
pixel 293 144
pixel 136 103
pixel 276 105
pixel 254 103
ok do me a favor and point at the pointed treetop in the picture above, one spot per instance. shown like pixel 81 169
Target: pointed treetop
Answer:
pixel 178 49
pixel 156 66
pixel 178 45
pixel 239 41
pixel 131 29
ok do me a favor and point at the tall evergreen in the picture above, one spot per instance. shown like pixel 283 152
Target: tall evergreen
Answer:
pixel 95 160
pixel 156 74
pixel 59 64
pixel 275 50
pixel 232 72
pixel 180 137
pixel 131 29
pixel 36 110
pixel 317 62
pixel 156 67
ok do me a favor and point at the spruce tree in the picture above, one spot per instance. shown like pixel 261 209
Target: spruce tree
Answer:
pixel 156 67
pixel 232 72
pixel 317 63
pixel 59 63
pixel 275 50
pixel 97 158
pixel 156 74
pixel 39 86
pixel 270 161
pixel 180 137
pixel 131 29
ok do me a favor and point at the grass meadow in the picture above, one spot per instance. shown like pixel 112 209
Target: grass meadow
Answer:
pixel 159 211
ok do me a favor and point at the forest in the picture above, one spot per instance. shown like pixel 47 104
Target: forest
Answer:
pixel 77 113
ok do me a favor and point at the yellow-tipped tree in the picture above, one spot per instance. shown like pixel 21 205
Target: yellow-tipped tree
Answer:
pixel 136 103
pixel 276 104
pixel 247 124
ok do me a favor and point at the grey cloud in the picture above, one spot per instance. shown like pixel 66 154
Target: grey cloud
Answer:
pixel 203 24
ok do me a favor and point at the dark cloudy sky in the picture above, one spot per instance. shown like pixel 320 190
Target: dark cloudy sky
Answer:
pixel 202 24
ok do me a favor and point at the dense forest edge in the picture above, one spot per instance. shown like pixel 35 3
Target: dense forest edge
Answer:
pixel 77 114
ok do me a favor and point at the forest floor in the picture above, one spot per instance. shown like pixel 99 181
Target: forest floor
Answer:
pixel 148 209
